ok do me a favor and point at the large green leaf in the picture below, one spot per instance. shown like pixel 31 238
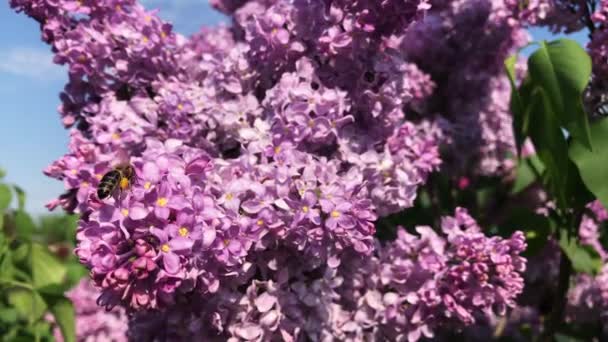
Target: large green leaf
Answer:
pixel 63 311
pixel 28 303
pixel 75 272
pixel 550 144
pixel 6 266
pixel 46 269
pixel 24 224
pixel 583 258
pixel 517 104
pixel 528 170
pixel 5 196
pixel 563 68
pixel 20 197
pixel 8 315
pixel 593 165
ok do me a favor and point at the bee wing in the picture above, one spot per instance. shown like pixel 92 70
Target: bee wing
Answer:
pixel 122 157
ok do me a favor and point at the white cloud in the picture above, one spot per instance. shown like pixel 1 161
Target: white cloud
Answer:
pixel 30 62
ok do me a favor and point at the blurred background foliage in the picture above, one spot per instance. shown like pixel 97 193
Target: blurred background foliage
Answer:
pixel 37 267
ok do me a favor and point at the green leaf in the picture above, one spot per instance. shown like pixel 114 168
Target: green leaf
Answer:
pixel 28 303
pixel 63 310
pixel 21 252
pixel 550 144
pixel 593 165
pixel 528 170
pixel 25 225
pixel 5 196
pixel 563 68
pixel 8 315
pixel 46 269
pixel 517 104
pixel 583 258
pixel 75 272
pixel 20 197
pixel 6 267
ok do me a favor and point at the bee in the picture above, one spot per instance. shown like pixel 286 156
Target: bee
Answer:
pixel 120 177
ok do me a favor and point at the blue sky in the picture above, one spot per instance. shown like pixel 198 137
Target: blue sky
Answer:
pixel 31 135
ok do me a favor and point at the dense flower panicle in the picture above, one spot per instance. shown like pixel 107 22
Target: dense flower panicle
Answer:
pixel 94 324
pixel 189 221
pixel 598 48
pixel 264 153
pixel 557 15
pixel 472 99
pixel 411 288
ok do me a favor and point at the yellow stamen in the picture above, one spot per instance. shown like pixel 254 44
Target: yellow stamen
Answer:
pixel 163 35
pixel 85 184
pixel 124 183
pixel 305 209
pixel 147 185
pixel 260 222
pixel 311 123
pixel 115 136
pixel 226 242
pixel 229 196
pixel 277 150
pixel 145 39
pixel 148 18
pixel 99 176
pixel 274 31
pixel 183 231
pixel 180 106
pixel 335 214
pixel 82 58
pixel 165 248
pixel 73 171
pixel 125 212
pixel 161 202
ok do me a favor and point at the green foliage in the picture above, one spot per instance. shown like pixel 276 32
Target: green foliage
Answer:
pixel 562 70
pixel 63 311
pixel 547 106
pixel 592 164
pixel 33 276
pixel 5 196
pixel 571 156
pixel 583 258
pixel 528 171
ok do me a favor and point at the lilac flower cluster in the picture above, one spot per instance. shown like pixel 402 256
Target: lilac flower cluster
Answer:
pixel 597 46
pixel 414 287
pixel 93 324
pixel 265 152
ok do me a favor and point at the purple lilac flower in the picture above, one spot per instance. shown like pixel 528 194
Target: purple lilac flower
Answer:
pixel 264 153
pixel 406 290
